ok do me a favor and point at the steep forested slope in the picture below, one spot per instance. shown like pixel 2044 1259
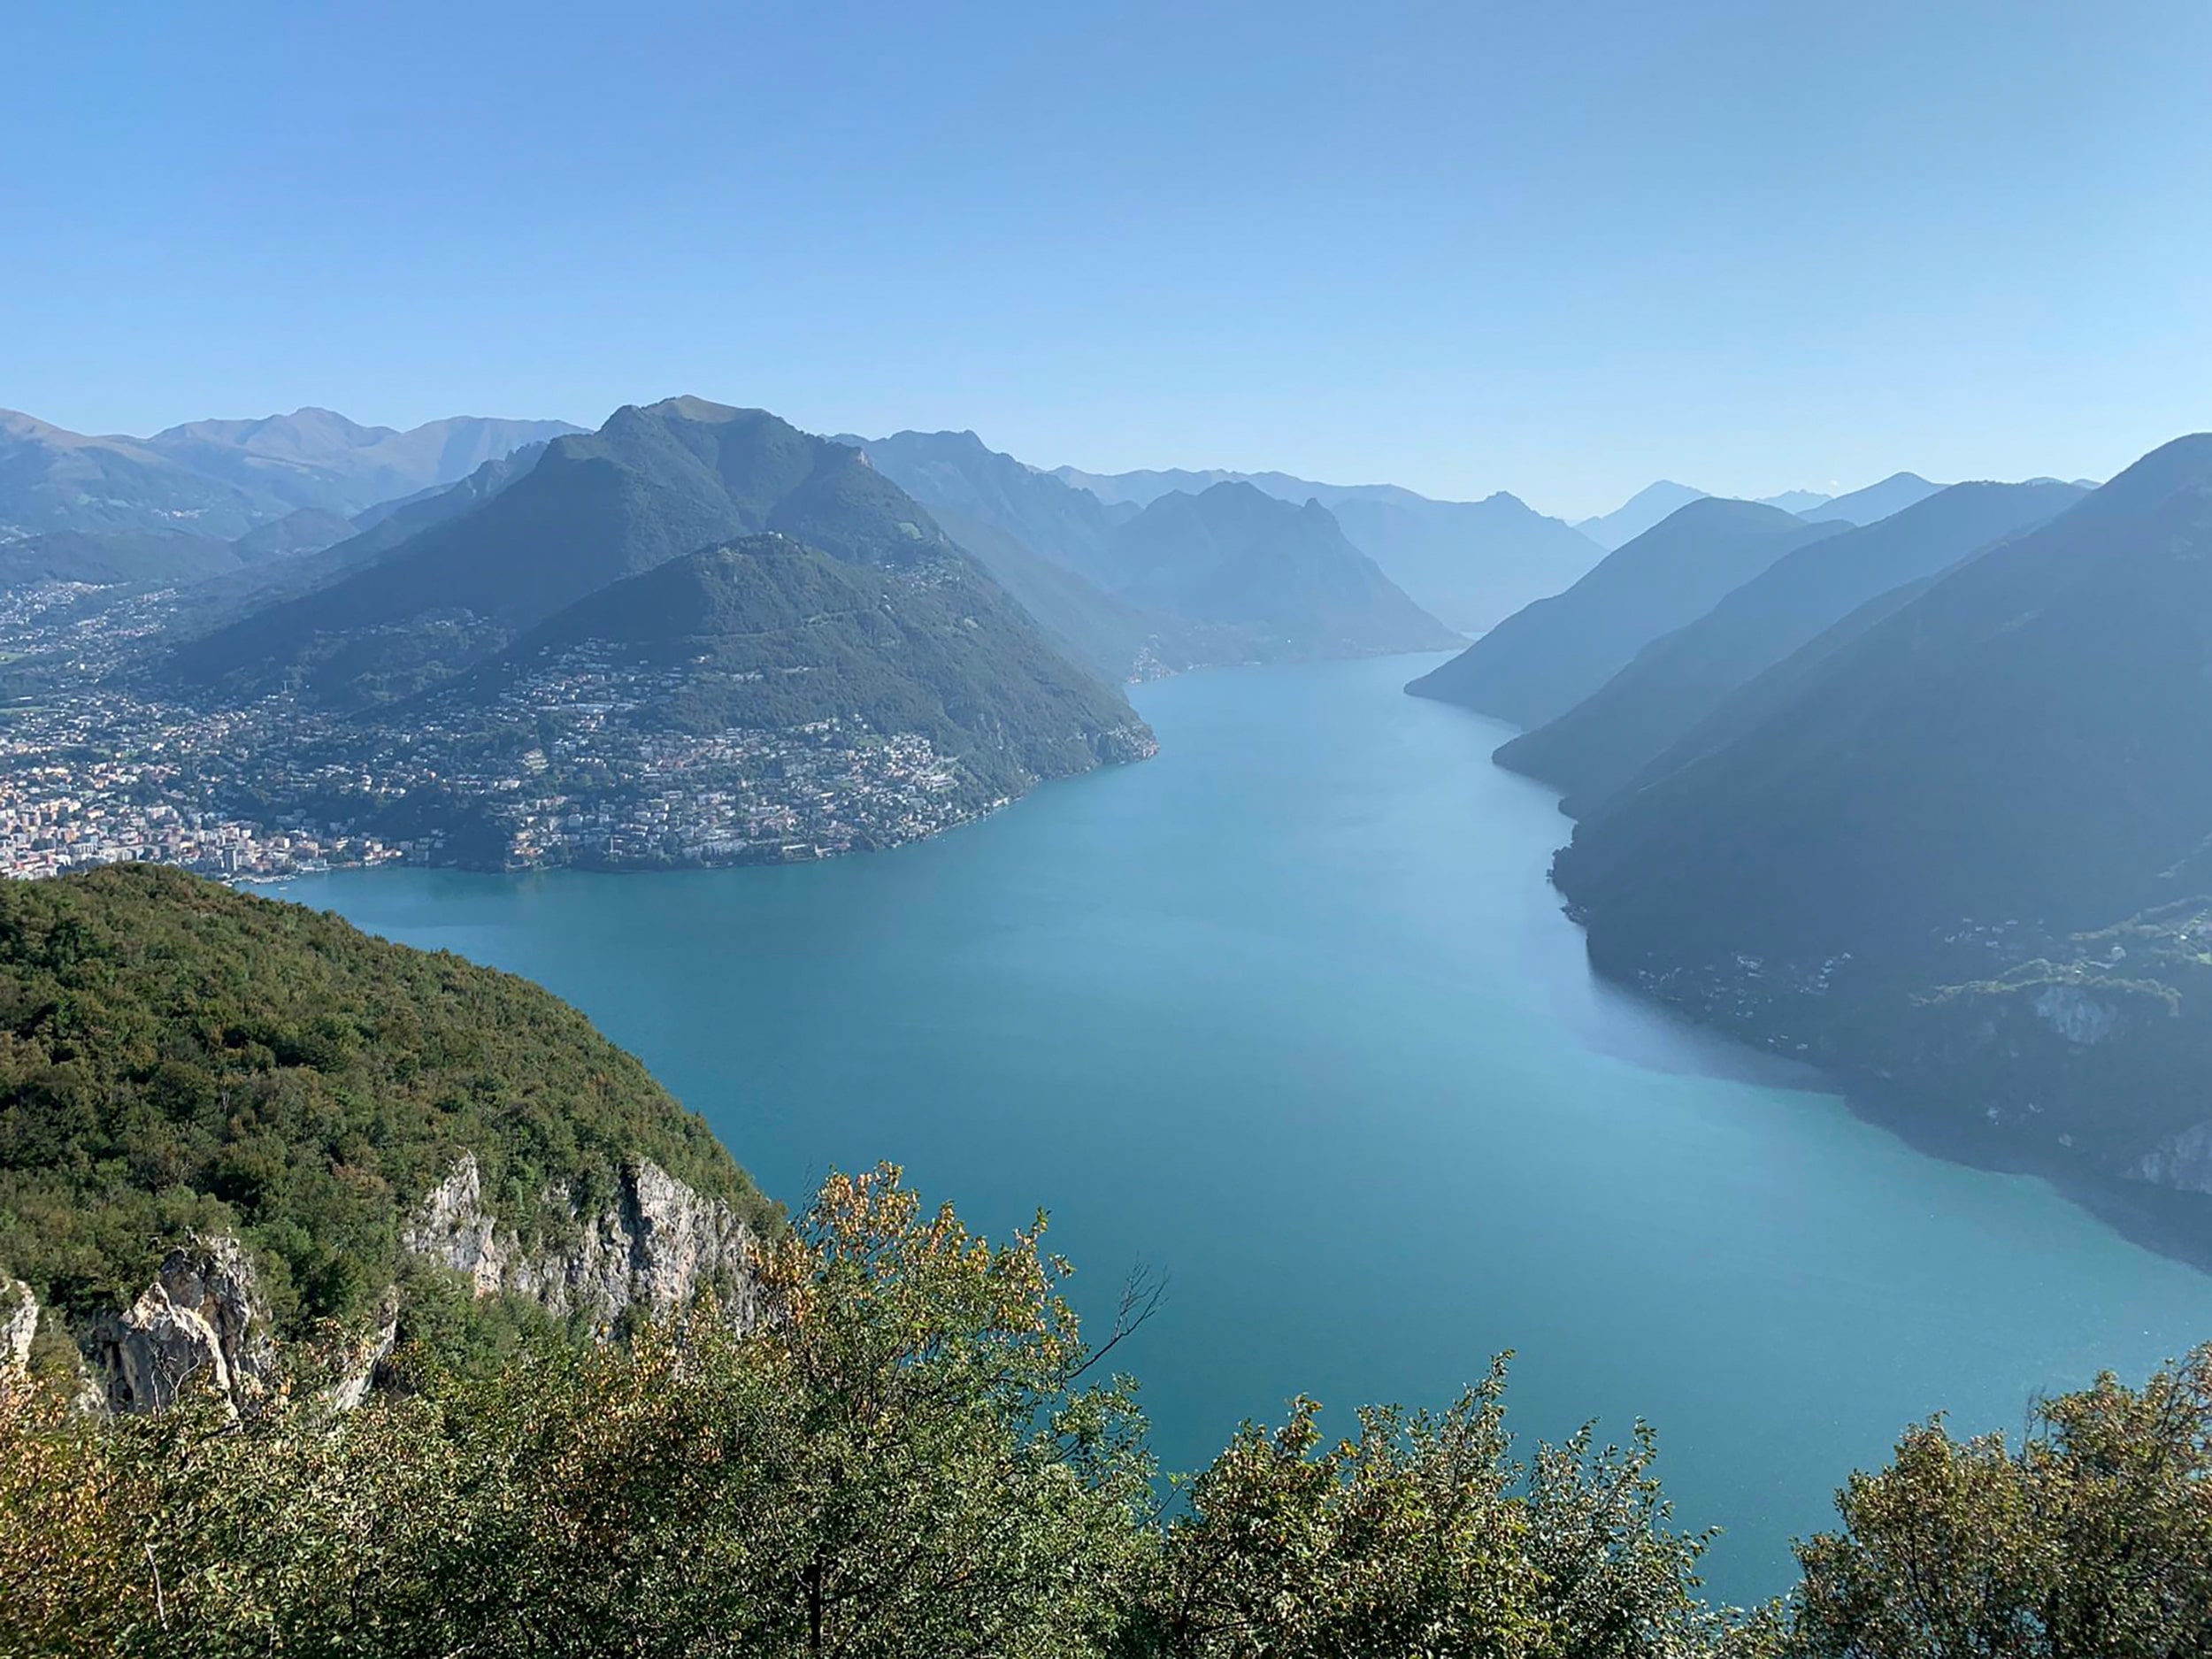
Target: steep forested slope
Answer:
pixel 1598 746
pixel 768 633
pixel 176 1058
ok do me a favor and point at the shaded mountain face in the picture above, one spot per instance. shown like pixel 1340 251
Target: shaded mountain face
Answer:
pixel 309 530
pixel 103 558
pixel 1047 543
pixel 1284 579
pixel 1875 502
pixel 956 472
pixel 318 459
pixel 766 633
pixel 403 515
pixel 1648 507
pixel 267 576
pixel 1541 662
pixel 2022 742
pixel 52 479
pixel 1673 684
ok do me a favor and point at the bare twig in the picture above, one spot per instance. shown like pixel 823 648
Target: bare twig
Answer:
pixel 1141 1295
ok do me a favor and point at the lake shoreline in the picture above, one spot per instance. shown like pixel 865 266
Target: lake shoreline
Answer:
pixel 1303 967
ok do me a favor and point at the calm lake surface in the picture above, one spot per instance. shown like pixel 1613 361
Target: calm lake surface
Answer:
pixel 1290 1014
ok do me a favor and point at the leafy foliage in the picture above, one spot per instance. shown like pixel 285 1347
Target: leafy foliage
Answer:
pixel 915 1454
pixel 177 1056
pixel 2093 1537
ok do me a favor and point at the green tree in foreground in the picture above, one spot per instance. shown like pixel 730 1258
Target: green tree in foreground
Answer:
pixel 917 1454
pixel 2093 1538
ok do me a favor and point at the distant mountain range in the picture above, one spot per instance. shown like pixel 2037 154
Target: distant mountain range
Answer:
pixel 1539 663
pixel 1654 503
pixel 1231 574
pixel 1648 507
pixel 288 554
pixel 1284 579
pixel 317 459
pixel 1875 502
pixel 220 479
pixel 1470 564
pixel 1673 684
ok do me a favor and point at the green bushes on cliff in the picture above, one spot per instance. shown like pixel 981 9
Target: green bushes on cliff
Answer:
pixel 175 1056
pixel 917 1454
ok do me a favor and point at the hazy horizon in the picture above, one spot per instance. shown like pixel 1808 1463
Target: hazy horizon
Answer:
pixel 1746 246
pixel 1830 488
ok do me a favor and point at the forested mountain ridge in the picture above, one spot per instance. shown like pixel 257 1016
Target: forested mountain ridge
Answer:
pixel 654 484
pixel 2018 682
pixel 186 1067
pixel 769 633
pixel 1541 661
pixel 1960 849
pixel 1636 717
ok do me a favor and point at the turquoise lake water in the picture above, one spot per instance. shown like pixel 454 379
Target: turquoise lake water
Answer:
pixel 1290 1014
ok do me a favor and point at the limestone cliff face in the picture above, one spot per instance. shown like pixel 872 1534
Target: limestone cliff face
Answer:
pixel 654 1247
pixel 356 1370
pixel 19 1324
pixel 2184 1162
pixel 2077 1016
pixel 201 1320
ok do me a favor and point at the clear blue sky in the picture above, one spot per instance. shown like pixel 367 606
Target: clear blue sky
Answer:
pixel 1552 247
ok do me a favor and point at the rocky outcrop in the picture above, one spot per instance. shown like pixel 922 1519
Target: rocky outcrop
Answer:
pixel 2077 1016
pixel 356 1370
pixel 654 1247
pixel 202 1321
pixel 2184 1162
pixel 452 1227
pixel 19 1324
